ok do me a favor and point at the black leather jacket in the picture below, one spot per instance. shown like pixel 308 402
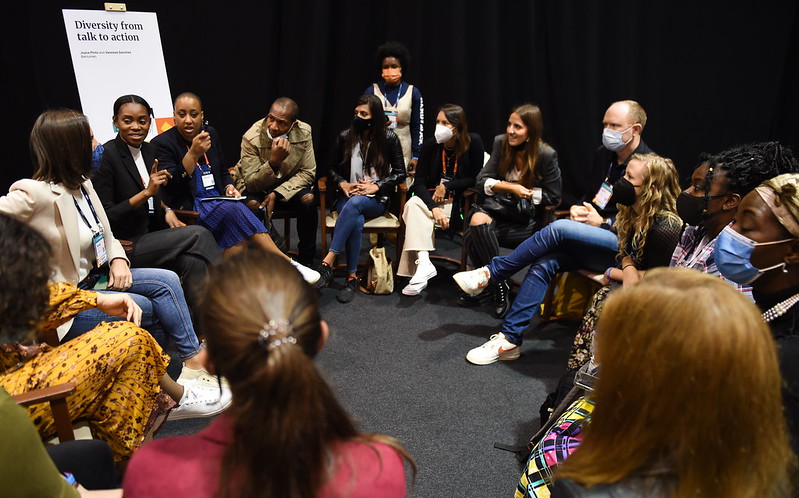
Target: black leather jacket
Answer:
pixel 340 169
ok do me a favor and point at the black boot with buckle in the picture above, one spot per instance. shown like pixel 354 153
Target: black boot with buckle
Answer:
pixel 501 299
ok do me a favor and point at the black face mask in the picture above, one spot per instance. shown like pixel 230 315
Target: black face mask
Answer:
pixel 693 210
pixel 624 192
pixel 361 124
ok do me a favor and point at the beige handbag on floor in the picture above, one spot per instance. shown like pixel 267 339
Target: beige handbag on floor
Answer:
pixel 379 273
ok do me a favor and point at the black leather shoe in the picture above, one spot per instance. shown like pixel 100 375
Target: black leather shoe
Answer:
pixel 501 299
pixel 325 273
pixel 348 292
pixel 468 301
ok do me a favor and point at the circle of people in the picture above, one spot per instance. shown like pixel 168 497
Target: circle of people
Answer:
pixel 689 364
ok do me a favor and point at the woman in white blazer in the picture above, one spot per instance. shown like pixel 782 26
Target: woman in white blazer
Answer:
pixel 61 204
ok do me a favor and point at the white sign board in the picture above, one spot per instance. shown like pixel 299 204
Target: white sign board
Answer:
pixel 115 54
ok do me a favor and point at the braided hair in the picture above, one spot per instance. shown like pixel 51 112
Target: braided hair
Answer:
pixel 743 168
pixel 747 166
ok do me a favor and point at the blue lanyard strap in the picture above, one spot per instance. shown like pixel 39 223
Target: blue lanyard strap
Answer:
pixel 396 101
pixel 80 211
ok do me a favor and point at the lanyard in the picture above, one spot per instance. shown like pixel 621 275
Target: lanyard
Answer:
pixel 444 165
pixel 83 216
pixel 386 102
pixel 205 155
pixel 610 168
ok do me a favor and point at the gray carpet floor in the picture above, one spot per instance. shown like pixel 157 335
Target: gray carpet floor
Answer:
pixel 397 363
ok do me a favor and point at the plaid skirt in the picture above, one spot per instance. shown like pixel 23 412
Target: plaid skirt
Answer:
pixel 229 221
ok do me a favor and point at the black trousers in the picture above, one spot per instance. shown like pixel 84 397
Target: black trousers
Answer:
pixel 187 251
pixel 307 222
pixel 89 460
pixel 483 241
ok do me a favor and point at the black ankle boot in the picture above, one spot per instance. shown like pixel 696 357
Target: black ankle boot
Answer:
pixel 501 299
pixel 468 301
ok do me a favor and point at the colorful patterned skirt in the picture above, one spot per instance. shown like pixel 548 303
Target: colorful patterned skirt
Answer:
pixel 117 368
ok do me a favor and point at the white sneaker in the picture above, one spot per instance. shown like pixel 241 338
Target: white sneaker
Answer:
pixel 424 272
pixel 201 376
pixel 497 348
pixel 473 282
pixel 310 276
pixel 199 401
pixel 414 289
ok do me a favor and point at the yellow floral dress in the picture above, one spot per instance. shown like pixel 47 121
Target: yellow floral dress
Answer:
pixel 116 367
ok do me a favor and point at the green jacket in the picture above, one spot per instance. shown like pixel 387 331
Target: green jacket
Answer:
pixel 25 467
pixel 254 174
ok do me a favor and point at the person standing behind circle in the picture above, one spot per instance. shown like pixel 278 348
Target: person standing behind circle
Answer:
pixel 402 102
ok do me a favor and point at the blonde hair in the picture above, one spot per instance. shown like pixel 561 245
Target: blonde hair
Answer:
pixel 658 198
pixel 689 380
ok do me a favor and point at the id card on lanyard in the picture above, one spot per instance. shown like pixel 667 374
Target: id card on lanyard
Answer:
pixel 392 119
pixel 605 191
pixel 98 236
pixel 391 110
pixel 603 195
pixel 206 175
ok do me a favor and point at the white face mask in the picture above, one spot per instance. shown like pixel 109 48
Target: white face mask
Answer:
pixel 443 133
pixel 285 135
pixel 612 140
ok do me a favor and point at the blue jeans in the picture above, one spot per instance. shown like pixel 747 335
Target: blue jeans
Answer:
pixel 352 213
pixel 164 311
pixel 560 246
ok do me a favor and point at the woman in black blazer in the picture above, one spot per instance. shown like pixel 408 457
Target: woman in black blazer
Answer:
pixel 128 183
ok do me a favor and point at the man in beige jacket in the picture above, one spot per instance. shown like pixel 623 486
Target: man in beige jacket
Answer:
pixel 278 168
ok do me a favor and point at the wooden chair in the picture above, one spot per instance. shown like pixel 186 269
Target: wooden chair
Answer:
pixel 285 215
pixel 57 397
pixel 547 311
pixel 467 200
pixel 388 223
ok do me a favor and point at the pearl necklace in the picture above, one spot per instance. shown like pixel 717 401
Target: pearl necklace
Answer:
pixel 780 308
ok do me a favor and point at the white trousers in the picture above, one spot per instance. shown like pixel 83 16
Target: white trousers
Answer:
pixel 419 226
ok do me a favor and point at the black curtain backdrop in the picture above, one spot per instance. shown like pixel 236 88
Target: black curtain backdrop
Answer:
pixel 709 74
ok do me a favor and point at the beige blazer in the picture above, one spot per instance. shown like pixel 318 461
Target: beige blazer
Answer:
pixel 253 173
pixel 50 209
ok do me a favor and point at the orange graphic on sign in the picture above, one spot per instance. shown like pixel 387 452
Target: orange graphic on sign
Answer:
pixel 163 124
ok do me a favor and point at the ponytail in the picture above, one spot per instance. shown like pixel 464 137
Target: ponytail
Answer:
pixel 263 329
